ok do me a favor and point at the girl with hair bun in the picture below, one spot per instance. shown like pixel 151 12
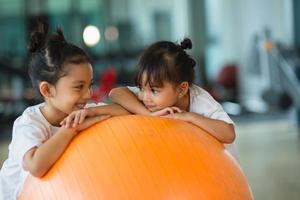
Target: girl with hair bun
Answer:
pixel 165 88
pixel 62 74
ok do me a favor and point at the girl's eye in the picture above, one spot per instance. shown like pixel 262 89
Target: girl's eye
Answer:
pixel 79 87
pixel 91 85
pixel 154 91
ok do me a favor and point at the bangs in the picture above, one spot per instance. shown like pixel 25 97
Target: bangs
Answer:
pixel 152 71
pixel 75 55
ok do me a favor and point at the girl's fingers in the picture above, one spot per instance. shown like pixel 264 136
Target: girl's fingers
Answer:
pixel 69 120
pixel 76 119
pixel 82 117
pixel 63 122
pixel 169 111
pixel 91 121
pixel 164 111
pixel 176 109
pixel 157 113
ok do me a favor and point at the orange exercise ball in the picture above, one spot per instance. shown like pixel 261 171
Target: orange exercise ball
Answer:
pixel 142 157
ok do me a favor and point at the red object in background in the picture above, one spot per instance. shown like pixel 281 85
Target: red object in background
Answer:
pixel 107 81
pixel 225 86
pixel 228 76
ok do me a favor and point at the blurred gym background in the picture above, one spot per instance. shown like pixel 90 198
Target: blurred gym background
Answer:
pixel 247 54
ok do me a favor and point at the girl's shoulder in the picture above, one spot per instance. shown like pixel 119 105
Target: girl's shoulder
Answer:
pixel 31 114
pixel 134 89
pixel 33 126
pixel 200 96
pixel 197 91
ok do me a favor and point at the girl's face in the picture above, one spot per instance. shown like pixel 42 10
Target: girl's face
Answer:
pixel 158 97
pixel 73 91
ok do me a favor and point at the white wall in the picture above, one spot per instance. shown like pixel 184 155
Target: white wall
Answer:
pixel 233 23
pixel 255 16
pixel 141 13
pixel 236 23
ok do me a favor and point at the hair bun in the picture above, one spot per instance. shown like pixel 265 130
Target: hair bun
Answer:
pixel 186 44
pixel 192 62
pixel 58 36
pixel 37 40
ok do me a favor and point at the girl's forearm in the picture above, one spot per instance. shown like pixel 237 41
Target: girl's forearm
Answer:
pixel 128 100
pixel 221 130
pixel 111 109
pixel 39 160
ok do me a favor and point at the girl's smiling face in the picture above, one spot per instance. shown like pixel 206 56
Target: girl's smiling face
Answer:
pixel 72 91
pixel 158 97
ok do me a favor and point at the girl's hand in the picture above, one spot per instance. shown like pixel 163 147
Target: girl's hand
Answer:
pixel 91 121
pixel 185 116
pixel 167 111
pixel 75 118
pixel 38 160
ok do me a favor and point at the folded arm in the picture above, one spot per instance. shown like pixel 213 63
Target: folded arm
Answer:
pixel 38 160
pixel 124 97
pixel 221 130
pixel 77 117
pixel 110 109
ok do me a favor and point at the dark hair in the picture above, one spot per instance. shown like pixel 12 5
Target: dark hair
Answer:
pixel 166 61
pixel 49 55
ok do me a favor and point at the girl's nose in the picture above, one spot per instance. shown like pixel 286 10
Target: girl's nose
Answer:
pixel 88 94
pixel 146 96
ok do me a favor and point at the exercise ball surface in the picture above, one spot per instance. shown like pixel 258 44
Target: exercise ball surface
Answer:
pixel 141 157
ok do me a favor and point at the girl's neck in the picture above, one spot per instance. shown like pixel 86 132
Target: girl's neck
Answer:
pixel 184 102
pixel 51 115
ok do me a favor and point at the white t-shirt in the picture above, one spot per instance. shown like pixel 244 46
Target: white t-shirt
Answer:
pixel 30 130
pixel 203 103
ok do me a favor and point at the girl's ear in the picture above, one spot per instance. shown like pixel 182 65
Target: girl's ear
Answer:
pixel 183 88
pixel 45 89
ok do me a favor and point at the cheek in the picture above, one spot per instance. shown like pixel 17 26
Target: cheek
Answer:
pixel 160 100
pixel 139 96
pixel 166 100
pixel 68 98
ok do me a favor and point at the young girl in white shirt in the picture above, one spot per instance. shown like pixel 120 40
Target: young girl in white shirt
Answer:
pixel 63 75
pixel 165 88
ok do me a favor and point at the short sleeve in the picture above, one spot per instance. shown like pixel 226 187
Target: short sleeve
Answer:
pixel 203 103
pixel 220 114
pixel 25 137
pixel 90 105
pixel 134 90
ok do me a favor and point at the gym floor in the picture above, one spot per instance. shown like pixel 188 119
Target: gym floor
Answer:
pixel 269 154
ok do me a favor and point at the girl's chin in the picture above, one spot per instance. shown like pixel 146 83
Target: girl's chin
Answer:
pixel 151 109
pixel 79 107
pixel 154 109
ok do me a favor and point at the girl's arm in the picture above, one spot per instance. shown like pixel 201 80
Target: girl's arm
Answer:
pixel 77 117
pixel 39 160
pixel 127 99
pixel 110 109
pixel 124 97
pixel 221 130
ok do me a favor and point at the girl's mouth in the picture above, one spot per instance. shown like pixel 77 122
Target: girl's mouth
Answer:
pixel 151 108
pixel 80 105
